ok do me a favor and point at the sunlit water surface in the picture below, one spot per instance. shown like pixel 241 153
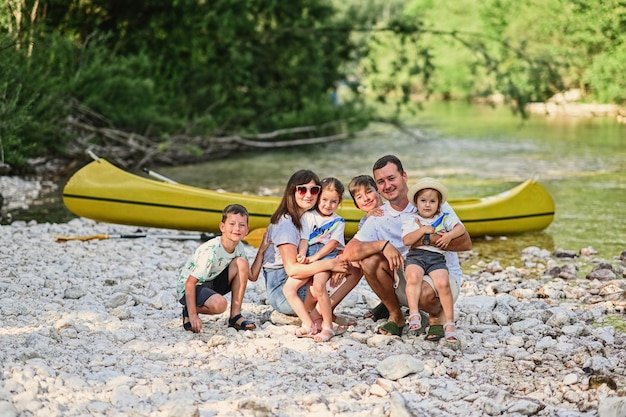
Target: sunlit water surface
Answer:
pixel 475 151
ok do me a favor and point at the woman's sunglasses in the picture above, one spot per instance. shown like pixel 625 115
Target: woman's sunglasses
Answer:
pixel 302 189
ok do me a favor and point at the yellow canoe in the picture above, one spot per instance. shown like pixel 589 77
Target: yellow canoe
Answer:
pixel 103 192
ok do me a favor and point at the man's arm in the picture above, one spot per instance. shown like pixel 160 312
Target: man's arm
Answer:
pixel 458 244
pixel 356 250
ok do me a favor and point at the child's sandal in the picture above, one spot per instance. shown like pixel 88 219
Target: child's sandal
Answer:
pixel 305 332
pixel 415 324
pixel 450 335
pixel 325 335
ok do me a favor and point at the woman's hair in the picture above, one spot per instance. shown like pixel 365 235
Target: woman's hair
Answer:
pixel 288 203
pixel 333 184
pixel 359 182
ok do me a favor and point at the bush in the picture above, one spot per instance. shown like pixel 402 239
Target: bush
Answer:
pixel 607 78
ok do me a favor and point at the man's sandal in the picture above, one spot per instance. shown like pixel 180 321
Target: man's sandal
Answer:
pixel 390 329
pixel 325 335
pixel 377 313
pixel 435 333
pixel 450 335
pixel 415 324
pixel 241 325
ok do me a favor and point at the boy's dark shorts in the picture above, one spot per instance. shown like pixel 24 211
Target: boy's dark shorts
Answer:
pixel 219 285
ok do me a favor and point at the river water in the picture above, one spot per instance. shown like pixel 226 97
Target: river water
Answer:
pixel 475 151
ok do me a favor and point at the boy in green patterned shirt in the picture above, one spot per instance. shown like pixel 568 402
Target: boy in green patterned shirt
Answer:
pixel 216 268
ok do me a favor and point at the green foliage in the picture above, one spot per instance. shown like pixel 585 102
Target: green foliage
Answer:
pixel 32 102
pixel 123 90
pixel 163 67
pixel 608 77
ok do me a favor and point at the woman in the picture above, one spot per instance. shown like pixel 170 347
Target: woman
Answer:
pixel 280 259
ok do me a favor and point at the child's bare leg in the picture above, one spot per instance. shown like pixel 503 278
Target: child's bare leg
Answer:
pixel 238 274
pixel 323 304
pixel 442 284
pixel 215 304
pixel 323 300
pixel 351 280
pixel 414 276
pixel 414 279
pixel 310 299
pixel 290 289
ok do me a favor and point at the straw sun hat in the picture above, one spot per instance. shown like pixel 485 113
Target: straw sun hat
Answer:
pixel 427 182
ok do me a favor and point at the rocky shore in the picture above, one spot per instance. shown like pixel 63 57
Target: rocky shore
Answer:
pixel 93 328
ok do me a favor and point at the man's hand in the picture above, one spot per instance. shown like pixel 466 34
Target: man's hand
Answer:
pixel 336 278
pixel 394 257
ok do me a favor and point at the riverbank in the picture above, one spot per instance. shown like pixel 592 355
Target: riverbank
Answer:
pixel 93 328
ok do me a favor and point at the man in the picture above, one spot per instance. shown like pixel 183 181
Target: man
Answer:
pixel 379 248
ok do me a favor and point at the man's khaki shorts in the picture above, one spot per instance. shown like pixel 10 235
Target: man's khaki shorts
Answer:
pixel 400 280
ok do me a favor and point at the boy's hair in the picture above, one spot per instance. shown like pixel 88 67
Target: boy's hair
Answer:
pixel 383 161
pixel 333 184
pixel 359 182
pixel 234 209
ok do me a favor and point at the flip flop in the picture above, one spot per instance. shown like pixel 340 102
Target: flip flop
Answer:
pixel 435 333
pixel 377 313
pixel 391 329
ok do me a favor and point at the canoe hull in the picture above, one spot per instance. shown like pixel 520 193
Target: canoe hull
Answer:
pixel 103 192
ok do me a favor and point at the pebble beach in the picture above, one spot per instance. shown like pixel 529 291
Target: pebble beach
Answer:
pixel 93 328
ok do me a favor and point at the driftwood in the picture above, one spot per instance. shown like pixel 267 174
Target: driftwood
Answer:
pixel 132 150
pixel 93 132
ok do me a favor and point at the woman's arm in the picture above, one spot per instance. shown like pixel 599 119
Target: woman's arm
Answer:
pixel 326 249
pixel 294 269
